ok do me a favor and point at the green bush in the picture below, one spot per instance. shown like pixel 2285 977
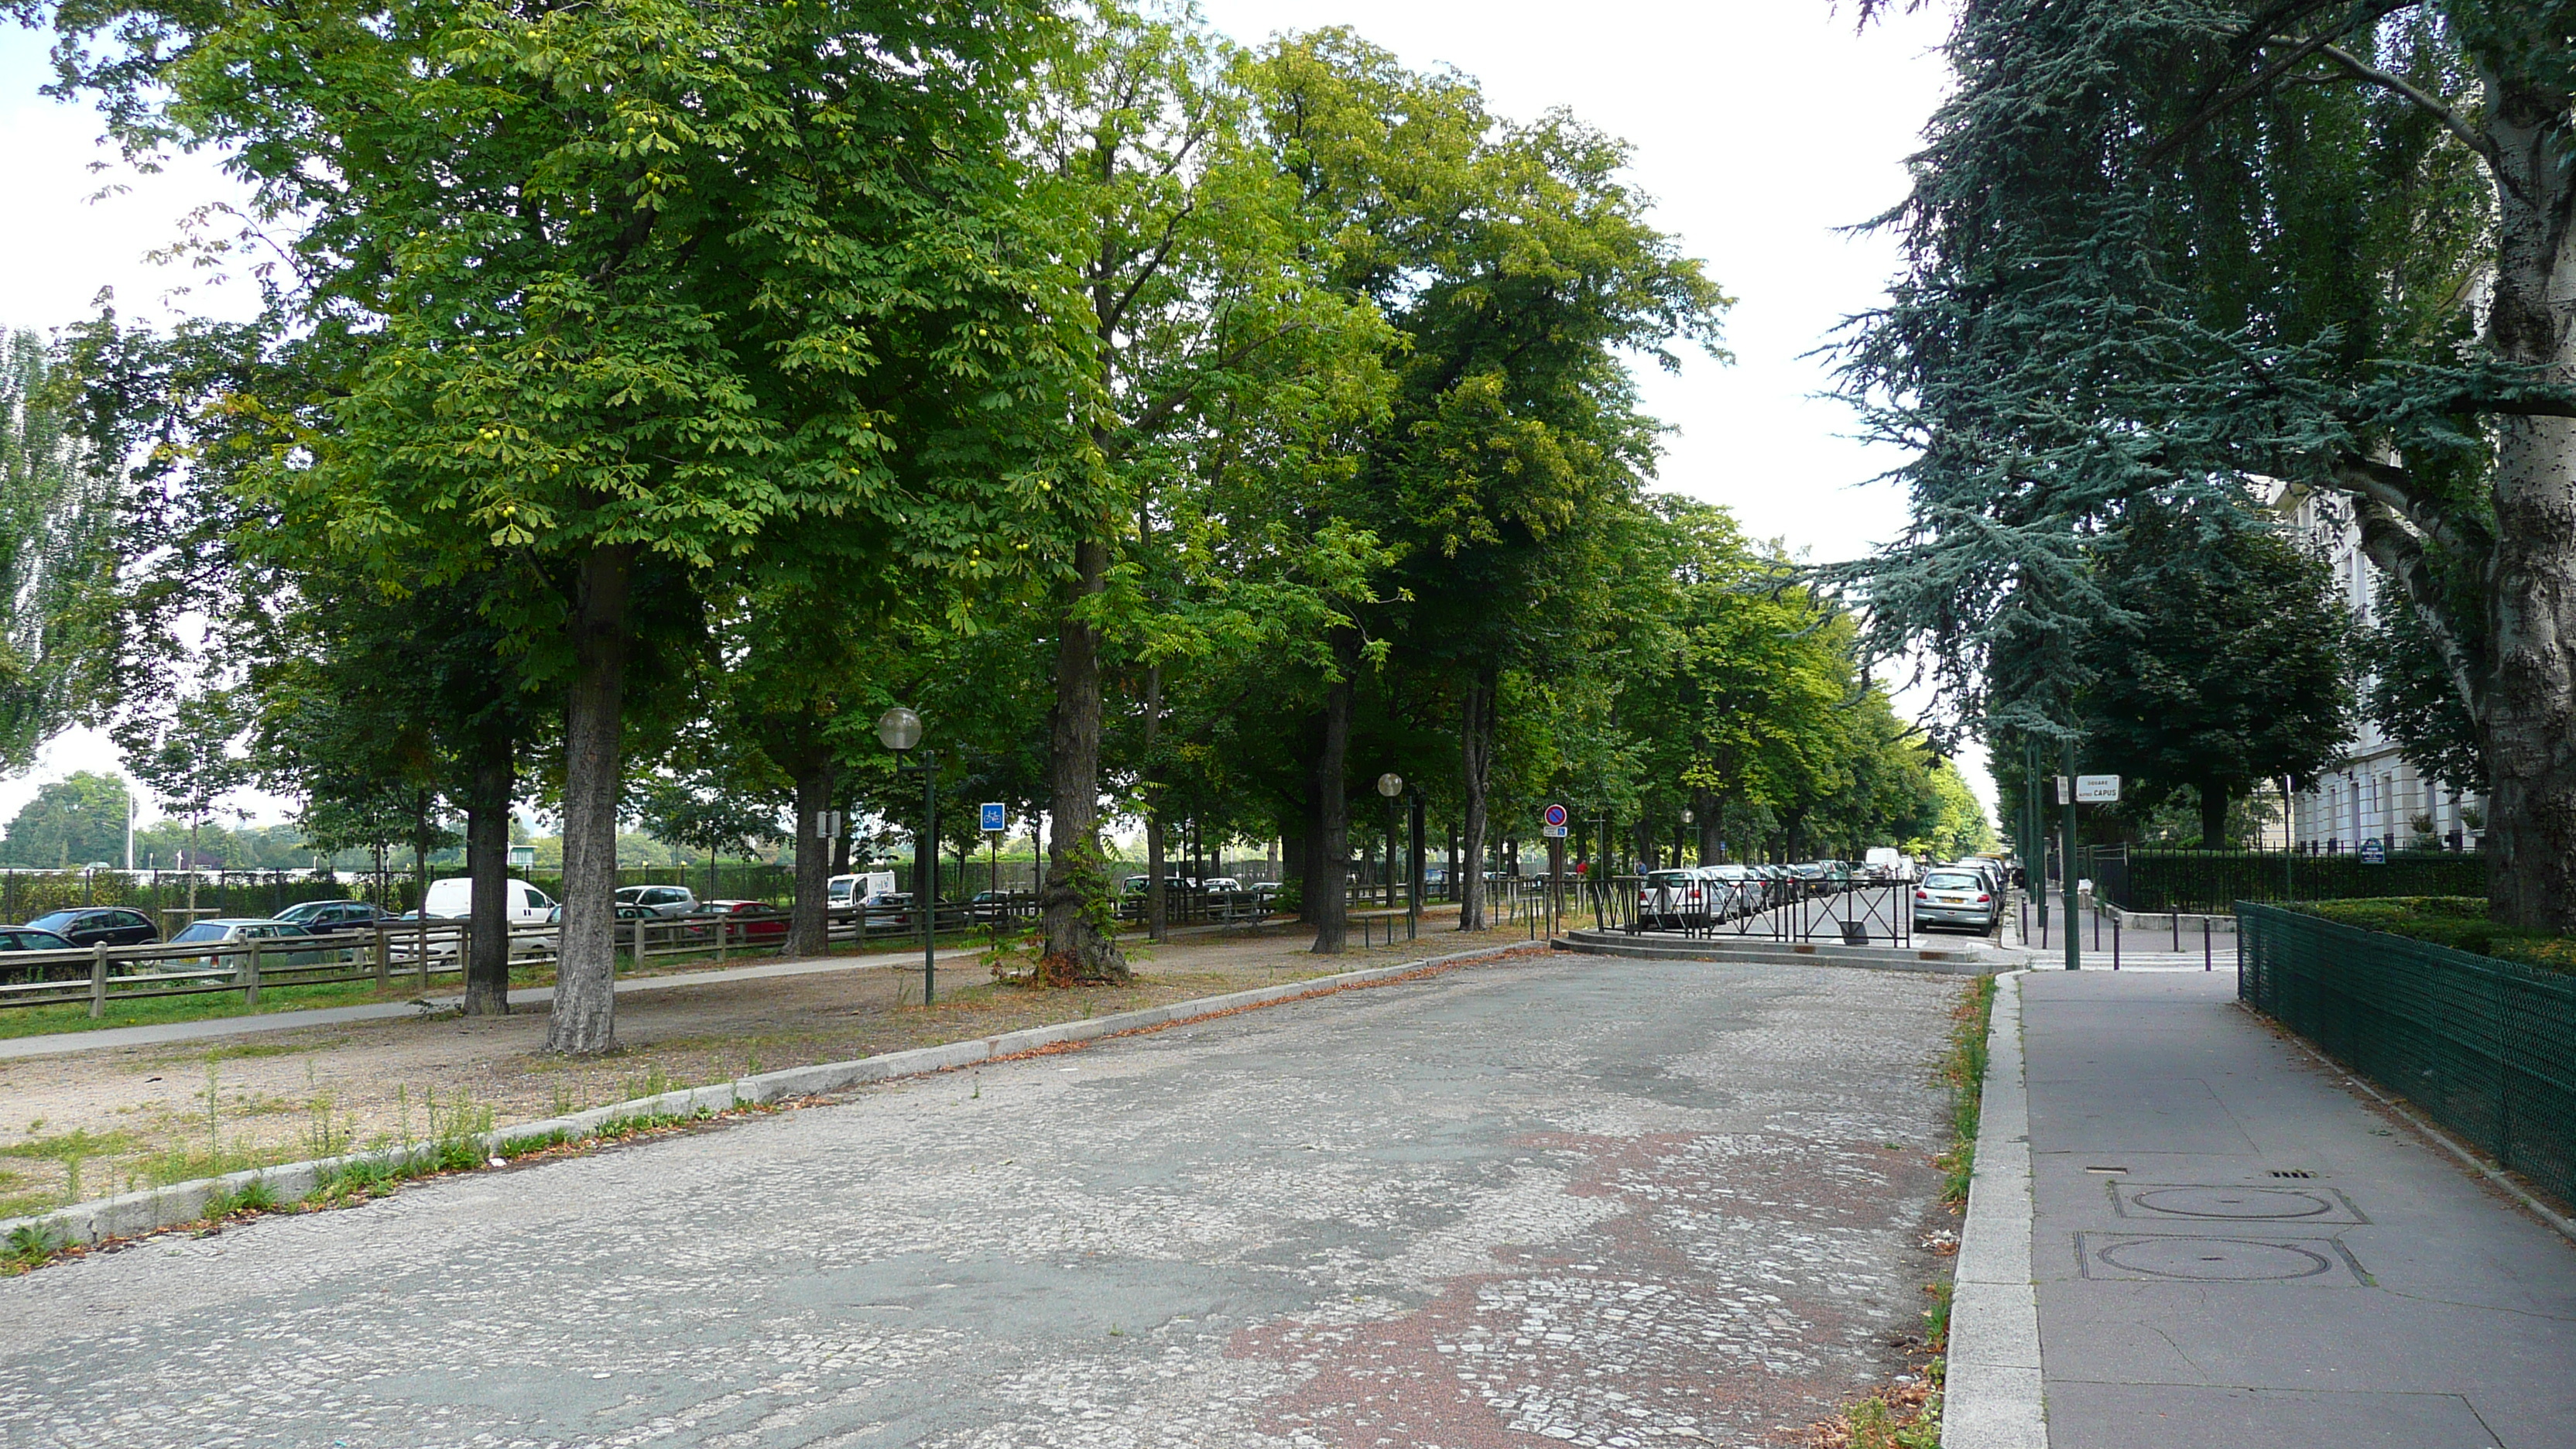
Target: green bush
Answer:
pixel 2459 922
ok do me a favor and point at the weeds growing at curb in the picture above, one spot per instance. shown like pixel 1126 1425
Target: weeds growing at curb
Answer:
pixel 1907 1414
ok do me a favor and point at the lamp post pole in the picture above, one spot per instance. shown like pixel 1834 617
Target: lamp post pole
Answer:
pixel 1391 785
pixel 899 729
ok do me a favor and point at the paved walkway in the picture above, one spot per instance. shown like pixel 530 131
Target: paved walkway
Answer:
pixel 1547 1201
pixel 2232 1248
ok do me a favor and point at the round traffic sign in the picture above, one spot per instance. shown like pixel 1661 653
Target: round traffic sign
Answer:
pixel 1553 815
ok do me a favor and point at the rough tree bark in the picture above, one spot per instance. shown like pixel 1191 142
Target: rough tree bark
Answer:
pixel 1711 819
pixel 1328 897
pixel 584 1019
pixel 1475 774
pixel 2530 688
pixel 809 919
pixel 491 781
pixel 1079 942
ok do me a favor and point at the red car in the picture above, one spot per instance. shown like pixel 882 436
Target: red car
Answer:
pixel 753 920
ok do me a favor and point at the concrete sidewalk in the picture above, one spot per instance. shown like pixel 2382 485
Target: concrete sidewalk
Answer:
pixel 2231 1247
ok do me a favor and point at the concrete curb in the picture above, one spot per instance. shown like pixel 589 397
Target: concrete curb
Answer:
pixel 1931 961
pixel 153 1209
pixel 1992 1391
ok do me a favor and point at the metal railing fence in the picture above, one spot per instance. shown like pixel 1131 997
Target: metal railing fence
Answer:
pixel 2485 1047
pixel 1848 909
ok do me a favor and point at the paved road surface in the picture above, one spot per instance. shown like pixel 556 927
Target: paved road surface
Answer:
pixel 1617 1203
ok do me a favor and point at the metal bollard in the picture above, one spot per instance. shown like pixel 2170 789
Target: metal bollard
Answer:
pixel 2177 930
pixel 2115 942
pixel 2204 945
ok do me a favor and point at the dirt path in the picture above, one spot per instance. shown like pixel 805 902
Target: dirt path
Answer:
pixel 90 1124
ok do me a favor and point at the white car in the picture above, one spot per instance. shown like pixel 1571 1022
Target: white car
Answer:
pixel 660 900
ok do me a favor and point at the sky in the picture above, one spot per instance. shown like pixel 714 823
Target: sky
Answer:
pixel 1763 129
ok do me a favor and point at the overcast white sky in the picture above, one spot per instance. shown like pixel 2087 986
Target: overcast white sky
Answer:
pixel 1761 127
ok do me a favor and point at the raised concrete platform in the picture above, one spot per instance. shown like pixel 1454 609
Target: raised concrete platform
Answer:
pixel 1964 959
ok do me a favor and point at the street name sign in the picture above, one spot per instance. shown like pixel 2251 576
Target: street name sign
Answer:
pixel 2374 851
pixel 2097 789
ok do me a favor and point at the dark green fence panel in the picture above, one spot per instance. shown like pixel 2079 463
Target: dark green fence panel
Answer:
pixel 2137 878
pixel 2486 1048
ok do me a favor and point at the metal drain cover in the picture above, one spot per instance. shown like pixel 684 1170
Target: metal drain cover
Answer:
pixel 2212 1260
pixel 2208 1203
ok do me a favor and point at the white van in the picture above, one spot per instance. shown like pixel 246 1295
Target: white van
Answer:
pixel 859 889
pixel 452 899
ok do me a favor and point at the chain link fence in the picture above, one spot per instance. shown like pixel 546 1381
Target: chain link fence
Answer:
pixel 2486 1048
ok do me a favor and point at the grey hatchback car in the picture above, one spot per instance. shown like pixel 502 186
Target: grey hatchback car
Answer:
pixel 1949 897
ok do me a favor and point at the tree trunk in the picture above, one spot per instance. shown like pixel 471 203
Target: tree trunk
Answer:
pixel 1081 944
pixel 490 784
pixel 1475 773
pixel 1712 826
pixel 1155 905
pixel 584 1019
pixel 1328 897
pixel 2530 685
pixel 2213 815
pixel 809 921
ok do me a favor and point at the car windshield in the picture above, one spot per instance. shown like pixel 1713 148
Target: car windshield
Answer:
pixel 1669 878
pixel 202 931
pixel 1951 880
pixel 53 921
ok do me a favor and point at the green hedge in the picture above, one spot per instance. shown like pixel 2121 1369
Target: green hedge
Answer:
pixel 2458 922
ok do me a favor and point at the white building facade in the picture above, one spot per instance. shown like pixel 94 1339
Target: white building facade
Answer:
pixel 2377 794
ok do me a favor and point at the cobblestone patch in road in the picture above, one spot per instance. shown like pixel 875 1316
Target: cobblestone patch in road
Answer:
pixel 1622 1203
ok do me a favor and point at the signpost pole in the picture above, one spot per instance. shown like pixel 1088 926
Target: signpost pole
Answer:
pixel 2066 865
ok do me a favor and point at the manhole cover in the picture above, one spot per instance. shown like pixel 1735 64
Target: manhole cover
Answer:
pixel 2207 1260
pixel 2232 1202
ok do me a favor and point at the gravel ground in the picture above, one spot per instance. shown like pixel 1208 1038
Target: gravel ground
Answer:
pixel 106 1120
pixel 1554 1200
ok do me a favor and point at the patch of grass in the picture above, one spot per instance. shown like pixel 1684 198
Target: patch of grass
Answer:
pixel 69 1146
pixel 30 1247
pixel 153 1011
pixel 1900 1416
pixel 2459 922
pixel 1963 1071
pixel 252 1198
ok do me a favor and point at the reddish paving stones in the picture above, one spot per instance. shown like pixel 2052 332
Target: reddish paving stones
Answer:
pixel 1557 1201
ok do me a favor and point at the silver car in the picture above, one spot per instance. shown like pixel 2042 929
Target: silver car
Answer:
pixel 1949 897
pixel 660 900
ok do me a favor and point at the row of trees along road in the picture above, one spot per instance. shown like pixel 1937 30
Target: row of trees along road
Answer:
pixel 2165 258
pixel 649 395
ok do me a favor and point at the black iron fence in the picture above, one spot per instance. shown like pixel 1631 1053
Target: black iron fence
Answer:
pixel 2485 1047
pixel 2154 878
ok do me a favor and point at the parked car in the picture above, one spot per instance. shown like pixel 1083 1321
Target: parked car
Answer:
pixel 887 910
pixel 452 899
pixel 662 900
pixel 15 939
pixel 752 920
pixel 236 930
pixel 324 917
pixel 1224 883
pixel 1673 900
pixel 1734 890
pixel 89 925
pixel 1952 897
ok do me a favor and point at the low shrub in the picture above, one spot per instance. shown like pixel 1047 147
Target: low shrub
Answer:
pixel 2458 922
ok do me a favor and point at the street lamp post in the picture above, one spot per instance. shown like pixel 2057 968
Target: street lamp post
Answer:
pixel 1391 785
pixel 899 729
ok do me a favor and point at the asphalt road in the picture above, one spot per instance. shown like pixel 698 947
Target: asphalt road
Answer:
pixel 1569 1200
